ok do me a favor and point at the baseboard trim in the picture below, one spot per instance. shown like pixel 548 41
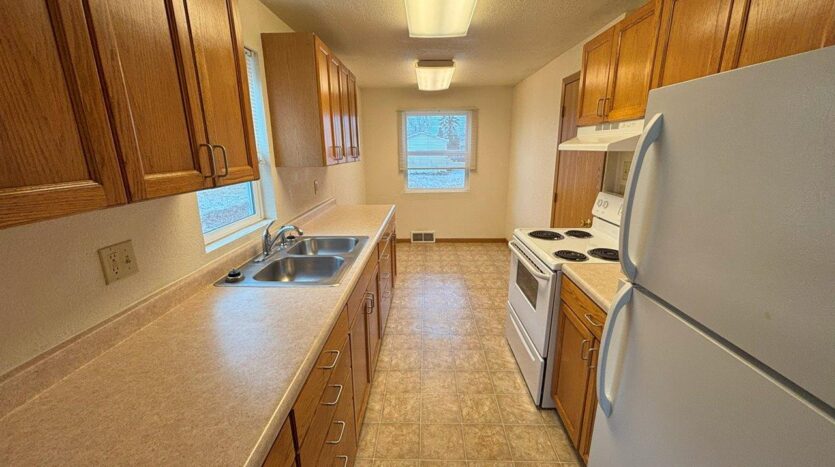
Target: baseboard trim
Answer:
pixel 459 240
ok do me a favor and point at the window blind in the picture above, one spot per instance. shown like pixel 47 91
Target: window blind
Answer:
pixel 256 100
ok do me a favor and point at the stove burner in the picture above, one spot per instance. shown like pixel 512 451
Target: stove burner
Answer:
pixel 546 235
pixel 570 255
pixel 605 253
pixel 578 234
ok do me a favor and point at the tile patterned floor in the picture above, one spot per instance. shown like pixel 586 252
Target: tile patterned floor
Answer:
pixel 447 389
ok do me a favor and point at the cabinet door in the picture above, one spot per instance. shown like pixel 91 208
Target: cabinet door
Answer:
pixel 359 368
pixel 591 404
pixel 336 109
pixel 145 54
pixel 767 29
pixel 219 53
pixel 690 40
pixel 323 60
pixel 572 374
pixel 372 324
pixel 594 79
pixel 352 108
pixel 634 40
pixel 57 155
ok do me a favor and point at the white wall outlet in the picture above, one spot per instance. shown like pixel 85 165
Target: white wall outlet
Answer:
pixel 118 261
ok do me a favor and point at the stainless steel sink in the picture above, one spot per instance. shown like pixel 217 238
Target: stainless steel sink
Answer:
pixel 323 246
pixel 301 269
pixel 308 261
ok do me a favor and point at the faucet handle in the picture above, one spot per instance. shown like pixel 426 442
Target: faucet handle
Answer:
pixel 267 228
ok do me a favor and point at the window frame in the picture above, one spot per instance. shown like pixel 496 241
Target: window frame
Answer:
pixel 248 224
pixel 467 168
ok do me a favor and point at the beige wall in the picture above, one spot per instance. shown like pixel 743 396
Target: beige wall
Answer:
pixel 53 287
pixel 477 213
pixel 534 128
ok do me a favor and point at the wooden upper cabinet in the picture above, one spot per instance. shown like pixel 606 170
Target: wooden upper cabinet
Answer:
pixel 146 59
pixel 631 70
pixel 309 84
pixel 219 55
pixel 764 30
pixel 57 155
pixel 690 40
pixel 594 79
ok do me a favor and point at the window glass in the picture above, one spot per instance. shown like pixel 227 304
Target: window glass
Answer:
pixel 437 150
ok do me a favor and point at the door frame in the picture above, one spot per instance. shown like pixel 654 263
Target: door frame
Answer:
pixel 565 82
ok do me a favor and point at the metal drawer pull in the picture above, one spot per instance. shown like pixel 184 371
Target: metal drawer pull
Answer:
pixel 225 159
pixel 583 354
pixel 335 359
pixel 338 394
pixel 591 321
pixel 592 365
pixel 341 433
pixel 344 459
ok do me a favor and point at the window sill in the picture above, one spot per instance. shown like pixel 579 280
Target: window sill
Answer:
pixel 429 192
pixel 238 234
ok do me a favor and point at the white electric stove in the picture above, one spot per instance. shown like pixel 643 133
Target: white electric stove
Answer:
pixel 534 285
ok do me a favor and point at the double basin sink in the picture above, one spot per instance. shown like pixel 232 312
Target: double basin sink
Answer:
pixel 306 261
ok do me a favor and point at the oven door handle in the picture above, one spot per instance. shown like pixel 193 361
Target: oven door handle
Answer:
pixel 527 263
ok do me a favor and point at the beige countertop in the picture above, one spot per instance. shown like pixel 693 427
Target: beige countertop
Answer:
pixel 599 281
pixel 207 383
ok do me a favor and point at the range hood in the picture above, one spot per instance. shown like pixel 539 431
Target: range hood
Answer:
pixel 618 136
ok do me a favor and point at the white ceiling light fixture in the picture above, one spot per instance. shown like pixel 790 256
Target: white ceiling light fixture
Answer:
pixel 439 18
pixel 434 75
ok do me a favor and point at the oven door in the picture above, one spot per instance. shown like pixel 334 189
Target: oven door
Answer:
pixel 531 294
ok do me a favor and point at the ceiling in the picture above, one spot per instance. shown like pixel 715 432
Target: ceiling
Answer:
pixel 508 39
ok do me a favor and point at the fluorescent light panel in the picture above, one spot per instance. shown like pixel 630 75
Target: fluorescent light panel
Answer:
pixel 439 18
pixel 434 75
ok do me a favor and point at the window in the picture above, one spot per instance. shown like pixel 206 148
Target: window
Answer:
pixel 437 149
pixel 229 209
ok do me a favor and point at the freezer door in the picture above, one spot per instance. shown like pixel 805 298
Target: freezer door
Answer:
pixel 733 211
pixel 683 399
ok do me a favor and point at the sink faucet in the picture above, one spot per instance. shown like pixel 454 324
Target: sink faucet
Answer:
pixel 280 237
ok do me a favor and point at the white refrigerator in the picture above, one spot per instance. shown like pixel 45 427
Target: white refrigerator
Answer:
pixel 720 348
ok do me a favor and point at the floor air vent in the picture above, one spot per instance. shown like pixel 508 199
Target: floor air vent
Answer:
pixel 423 236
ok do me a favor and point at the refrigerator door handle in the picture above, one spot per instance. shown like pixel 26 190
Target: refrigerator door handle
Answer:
pixel 623 297
pixel 650 134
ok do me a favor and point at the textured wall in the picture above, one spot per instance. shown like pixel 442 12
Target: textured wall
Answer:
pixel 477 213
pixel 53 287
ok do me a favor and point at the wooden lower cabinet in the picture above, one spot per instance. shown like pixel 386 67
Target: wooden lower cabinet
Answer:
pixel 579 328
pixel 324 425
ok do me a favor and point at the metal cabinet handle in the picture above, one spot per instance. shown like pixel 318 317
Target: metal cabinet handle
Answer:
pixel 211 159
pixel 335 359
pixel 225 159
pixel 369 303
pixel 592 365
pixel 592 321
pixel 583 354
pixel 344 459
pixel 341 433
pixel 605 101
pixel 338 394
pixel 599 113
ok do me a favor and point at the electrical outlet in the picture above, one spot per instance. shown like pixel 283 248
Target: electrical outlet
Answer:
pixel 118 261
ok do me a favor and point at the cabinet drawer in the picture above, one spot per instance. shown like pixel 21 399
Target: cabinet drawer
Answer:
pixel 331 357
pixel 337 390
pixel 340 446
pixel 592 316
pixel 283 452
